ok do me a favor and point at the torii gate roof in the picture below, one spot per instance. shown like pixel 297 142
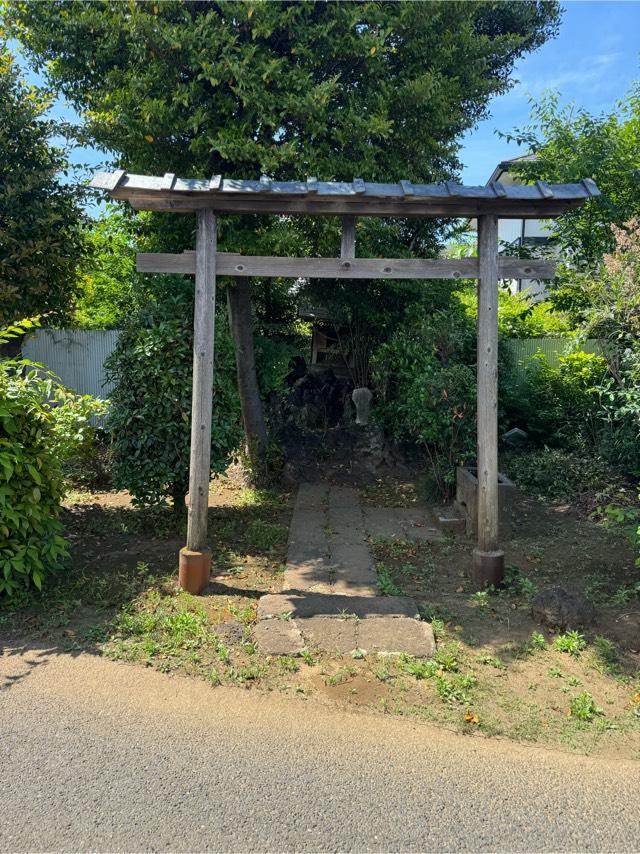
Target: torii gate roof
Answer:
pixel 331 198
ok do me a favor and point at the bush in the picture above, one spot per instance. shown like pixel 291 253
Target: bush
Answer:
pixel 562 405
pixel 150 412
pixel 41 424
pixel 426 375
pixel 561 475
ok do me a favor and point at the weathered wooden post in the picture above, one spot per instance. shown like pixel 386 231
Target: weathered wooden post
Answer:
pixel 348 241
pixel 488 559
pixel 195 559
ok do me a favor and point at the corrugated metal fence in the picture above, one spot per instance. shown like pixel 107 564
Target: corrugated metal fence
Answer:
pixel 523 350
pixel 77 356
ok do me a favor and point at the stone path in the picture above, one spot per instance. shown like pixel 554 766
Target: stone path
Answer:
pixel 330 596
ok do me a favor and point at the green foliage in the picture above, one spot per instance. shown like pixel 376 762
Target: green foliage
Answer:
pixel 561 404
pixel 40 217
pixel 150 408
pixel 278 87
pixel 537 641
pixel 560 475
pixel 41 424
pixel 583 708
pixel 570 144
pixel 426 375
pixel 108 278
pixel 288 90
pixel 519 316
pixel 571 642
pixel 386 584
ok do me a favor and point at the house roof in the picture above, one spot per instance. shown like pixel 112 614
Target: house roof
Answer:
pixel 505 165
pixel 357 197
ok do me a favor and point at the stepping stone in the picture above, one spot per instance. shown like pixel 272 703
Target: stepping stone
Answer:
pixel 301 605
pixel 279 637
pixel 312 496
pixel 450 519
pixel 331 634
pixel 344 496
pixel 396 634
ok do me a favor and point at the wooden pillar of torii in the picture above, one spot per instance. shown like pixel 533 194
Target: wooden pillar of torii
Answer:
pixel 208 198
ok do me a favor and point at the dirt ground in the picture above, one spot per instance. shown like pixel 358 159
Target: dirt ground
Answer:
pixel 496 672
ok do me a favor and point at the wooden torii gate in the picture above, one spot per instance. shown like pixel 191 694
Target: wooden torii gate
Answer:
pixel 209 198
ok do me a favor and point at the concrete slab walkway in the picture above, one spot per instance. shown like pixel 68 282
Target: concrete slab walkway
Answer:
pixel 330 596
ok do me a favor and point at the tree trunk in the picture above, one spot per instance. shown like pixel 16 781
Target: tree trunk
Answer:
pixel 240 320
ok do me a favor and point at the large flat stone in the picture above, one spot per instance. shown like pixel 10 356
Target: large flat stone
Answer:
pixel 308 575
pixel 278 637
pixel 395 635
pixel 343 496
pixel 330 634
pixel 302 605
pixel 312 496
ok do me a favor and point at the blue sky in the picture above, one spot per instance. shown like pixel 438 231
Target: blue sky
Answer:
pixel 592 62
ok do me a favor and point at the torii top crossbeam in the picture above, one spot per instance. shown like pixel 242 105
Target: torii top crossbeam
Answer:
pixel 403 199
pixel 331 198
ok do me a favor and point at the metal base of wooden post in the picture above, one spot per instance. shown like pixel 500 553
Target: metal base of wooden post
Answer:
pixel 488 568
pixel 194 570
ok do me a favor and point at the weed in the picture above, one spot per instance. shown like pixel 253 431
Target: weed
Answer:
pixel 493 661
pixel 571 642
pixel 433 613
pixel 386 584
pixel 418 667
pixel 447 657
pixel 480 598
pixel 264 535
pixel 455 689
pixel 583 708
pixel 284 615
pixel 246 615
pixel 340 676
pixel 248 674
pixel 555 673
pixel 537 641
pixel 214 677
pixel 358 653
pixel 288 664
pixel 517 583
pixel 307 657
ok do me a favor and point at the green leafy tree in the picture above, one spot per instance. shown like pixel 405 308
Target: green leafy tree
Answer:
pixel 40 219
pixel 571 144
pixel 109 287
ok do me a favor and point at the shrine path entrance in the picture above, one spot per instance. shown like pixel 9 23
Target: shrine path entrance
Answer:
pixel 330 599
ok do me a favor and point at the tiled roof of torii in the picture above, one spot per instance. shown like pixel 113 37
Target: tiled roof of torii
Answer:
pixel 357 197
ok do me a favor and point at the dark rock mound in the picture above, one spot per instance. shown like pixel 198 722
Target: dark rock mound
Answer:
pixel 559 609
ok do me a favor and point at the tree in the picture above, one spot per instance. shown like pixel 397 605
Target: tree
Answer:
pixel 40 219
pixel 571 144
pixel 377 90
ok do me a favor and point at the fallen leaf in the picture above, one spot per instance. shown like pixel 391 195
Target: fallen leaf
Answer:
pixel 636 697
pixel 471 718
pixel 460 589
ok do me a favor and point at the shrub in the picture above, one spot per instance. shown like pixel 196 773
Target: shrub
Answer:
pixel 562 405
pixel 426 375
pixel 41 424
pixel 560 475
pixel 150 412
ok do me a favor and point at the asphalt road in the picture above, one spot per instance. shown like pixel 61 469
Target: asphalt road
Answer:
pixel 99 756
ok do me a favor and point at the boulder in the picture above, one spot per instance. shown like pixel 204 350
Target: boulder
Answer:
pixel 560 609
